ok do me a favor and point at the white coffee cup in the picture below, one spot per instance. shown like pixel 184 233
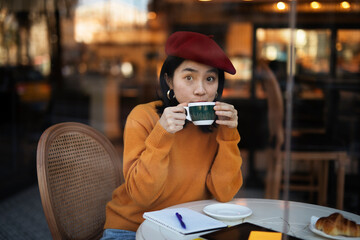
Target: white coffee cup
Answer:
pixel 201 113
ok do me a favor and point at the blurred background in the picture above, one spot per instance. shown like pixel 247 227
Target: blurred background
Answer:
pixel 92 61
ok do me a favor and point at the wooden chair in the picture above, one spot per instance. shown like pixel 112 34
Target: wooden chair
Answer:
pixel 78 168
pixel 312 150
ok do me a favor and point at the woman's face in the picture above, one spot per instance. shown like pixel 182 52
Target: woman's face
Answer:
pixel 194 82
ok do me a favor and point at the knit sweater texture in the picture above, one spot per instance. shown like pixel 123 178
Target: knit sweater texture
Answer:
pixel 162 169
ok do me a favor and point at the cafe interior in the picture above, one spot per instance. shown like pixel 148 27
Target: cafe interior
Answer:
pixel 92 61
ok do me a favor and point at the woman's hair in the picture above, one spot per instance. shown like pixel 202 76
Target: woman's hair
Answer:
pixel 167 71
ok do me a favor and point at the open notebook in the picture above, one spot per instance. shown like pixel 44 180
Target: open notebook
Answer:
pixel 195 222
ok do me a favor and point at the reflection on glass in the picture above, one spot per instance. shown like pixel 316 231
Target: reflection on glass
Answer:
pixel 242 65
pixel 21 44
pixel 348 53
pixel 239 47
pixel 94 19
pixel 312 49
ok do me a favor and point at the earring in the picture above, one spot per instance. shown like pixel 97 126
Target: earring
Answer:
pixel 168 94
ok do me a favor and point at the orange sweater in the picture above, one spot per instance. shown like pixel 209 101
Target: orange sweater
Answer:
pixel 163 169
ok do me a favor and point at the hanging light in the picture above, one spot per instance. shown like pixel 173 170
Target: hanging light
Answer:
pixel 315 5
pixel 345 5
pixel 281 6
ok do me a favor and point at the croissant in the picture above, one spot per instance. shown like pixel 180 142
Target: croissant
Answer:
pixel 335 224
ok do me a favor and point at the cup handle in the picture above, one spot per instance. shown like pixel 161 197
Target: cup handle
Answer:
pixel 188 117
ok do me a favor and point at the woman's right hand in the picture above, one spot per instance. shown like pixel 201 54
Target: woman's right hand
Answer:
pixel 173 118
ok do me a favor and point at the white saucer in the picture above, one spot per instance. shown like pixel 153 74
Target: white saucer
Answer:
pixel 321 233
pixel 227 211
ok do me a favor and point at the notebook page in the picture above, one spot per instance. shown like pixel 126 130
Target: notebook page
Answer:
pixel 194 221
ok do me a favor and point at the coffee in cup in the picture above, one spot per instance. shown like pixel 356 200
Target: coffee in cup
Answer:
pixel 201 113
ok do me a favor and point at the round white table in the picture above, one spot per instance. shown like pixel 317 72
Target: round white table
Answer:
pixel 266 212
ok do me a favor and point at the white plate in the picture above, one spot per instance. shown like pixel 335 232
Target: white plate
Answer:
pixel 227 211
pixel 321 233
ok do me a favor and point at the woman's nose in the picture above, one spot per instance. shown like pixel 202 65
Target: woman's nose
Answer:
pixel 199 89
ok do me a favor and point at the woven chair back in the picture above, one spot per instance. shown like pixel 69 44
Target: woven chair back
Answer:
pixel 78 168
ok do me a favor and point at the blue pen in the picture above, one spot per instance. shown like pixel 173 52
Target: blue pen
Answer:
pixel 179 217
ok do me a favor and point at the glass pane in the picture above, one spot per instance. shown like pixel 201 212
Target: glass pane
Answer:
pixel 93 61
pixel 312 50
pixel 239 46
pixel 348 54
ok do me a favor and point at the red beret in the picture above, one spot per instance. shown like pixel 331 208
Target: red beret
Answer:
pixel 199 48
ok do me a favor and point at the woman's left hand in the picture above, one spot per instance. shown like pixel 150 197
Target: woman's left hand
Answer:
pixel 227 114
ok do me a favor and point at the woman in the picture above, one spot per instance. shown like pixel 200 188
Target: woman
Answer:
pixel 167 160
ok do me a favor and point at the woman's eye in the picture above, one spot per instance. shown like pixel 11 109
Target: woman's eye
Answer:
pixel 210 79
pixel 189 78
